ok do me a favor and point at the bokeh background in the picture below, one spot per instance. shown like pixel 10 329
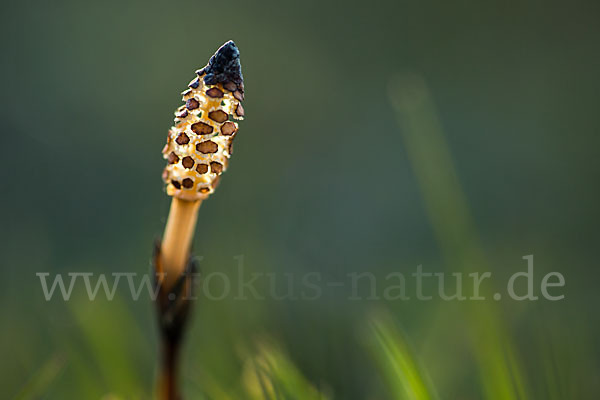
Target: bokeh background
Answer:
pixel 379 136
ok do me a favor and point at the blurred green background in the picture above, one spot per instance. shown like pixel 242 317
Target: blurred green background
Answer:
pixel 379 136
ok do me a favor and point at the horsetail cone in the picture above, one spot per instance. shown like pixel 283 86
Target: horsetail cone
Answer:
pixel 198 149
pixel 200 142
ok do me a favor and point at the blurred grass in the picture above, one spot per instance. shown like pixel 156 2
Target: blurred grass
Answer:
pixel 270 375
pixel 396 363
pixel 501 374
pixel 39 383
pixel 114 355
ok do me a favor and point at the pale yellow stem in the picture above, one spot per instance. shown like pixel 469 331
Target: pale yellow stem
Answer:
pixel 176 242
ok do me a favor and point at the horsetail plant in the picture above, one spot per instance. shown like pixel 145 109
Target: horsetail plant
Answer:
pixel 198 149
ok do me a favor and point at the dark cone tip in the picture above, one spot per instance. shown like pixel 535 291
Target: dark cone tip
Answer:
pixel 224 66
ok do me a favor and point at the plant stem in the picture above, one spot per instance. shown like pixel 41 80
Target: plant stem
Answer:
pixel 176 243
pixel 168 379
pixel 172 258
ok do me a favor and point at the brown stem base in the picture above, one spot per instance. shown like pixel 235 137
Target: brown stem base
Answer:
pixel 172 307
pixel 168 380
